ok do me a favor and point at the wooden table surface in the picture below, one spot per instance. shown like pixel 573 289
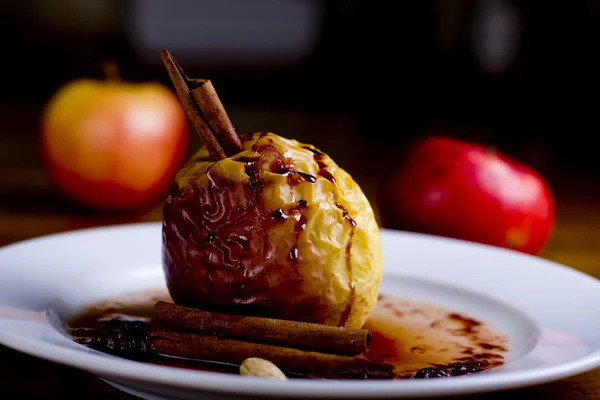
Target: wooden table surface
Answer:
pixel 29 208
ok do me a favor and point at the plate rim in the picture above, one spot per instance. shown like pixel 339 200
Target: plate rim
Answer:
pixel 105 366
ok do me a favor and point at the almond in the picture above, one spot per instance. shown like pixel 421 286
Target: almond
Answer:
pixel 262 368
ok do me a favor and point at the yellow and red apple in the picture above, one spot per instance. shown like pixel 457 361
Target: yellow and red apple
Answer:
pixel 114 145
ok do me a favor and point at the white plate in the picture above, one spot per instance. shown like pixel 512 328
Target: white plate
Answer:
pixel 549 312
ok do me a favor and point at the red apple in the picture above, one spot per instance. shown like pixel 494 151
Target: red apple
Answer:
pixel 114 145
pixel 463 190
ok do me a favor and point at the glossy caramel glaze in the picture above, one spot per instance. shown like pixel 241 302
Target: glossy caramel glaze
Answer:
pixel 278 230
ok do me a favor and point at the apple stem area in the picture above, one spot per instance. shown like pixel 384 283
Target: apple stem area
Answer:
pixel 111 70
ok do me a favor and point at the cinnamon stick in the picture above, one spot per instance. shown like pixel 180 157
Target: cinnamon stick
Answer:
pixel 207 114
pixel 196 347
pixel 207 99
pixel 298 335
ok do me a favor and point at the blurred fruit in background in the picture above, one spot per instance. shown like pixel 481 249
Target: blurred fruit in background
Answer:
pixel 464 190
pixel 114 145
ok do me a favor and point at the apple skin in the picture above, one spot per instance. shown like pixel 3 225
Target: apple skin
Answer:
pixel 114 145
pixel 449 187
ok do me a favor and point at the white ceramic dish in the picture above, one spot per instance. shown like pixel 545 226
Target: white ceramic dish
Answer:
pixel 550 312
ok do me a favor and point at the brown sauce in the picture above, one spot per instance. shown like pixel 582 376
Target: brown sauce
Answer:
pixel 318 156
pixel 327 175
pixel 421 340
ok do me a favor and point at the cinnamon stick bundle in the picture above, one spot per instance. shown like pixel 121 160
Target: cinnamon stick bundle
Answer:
pixel 207 114
pixel 293 334
pixel 192 346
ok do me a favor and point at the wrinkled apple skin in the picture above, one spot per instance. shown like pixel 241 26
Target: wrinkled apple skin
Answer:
pixel 249 235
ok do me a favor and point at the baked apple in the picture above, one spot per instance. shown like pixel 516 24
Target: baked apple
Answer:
pixel 276 230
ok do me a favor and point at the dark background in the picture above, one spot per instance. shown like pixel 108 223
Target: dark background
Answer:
pixel 359 79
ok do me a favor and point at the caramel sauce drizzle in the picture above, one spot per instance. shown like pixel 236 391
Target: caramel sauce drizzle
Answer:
pixel 319 156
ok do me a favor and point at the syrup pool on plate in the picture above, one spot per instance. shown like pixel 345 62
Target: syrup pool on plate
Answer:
pixel 421 340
